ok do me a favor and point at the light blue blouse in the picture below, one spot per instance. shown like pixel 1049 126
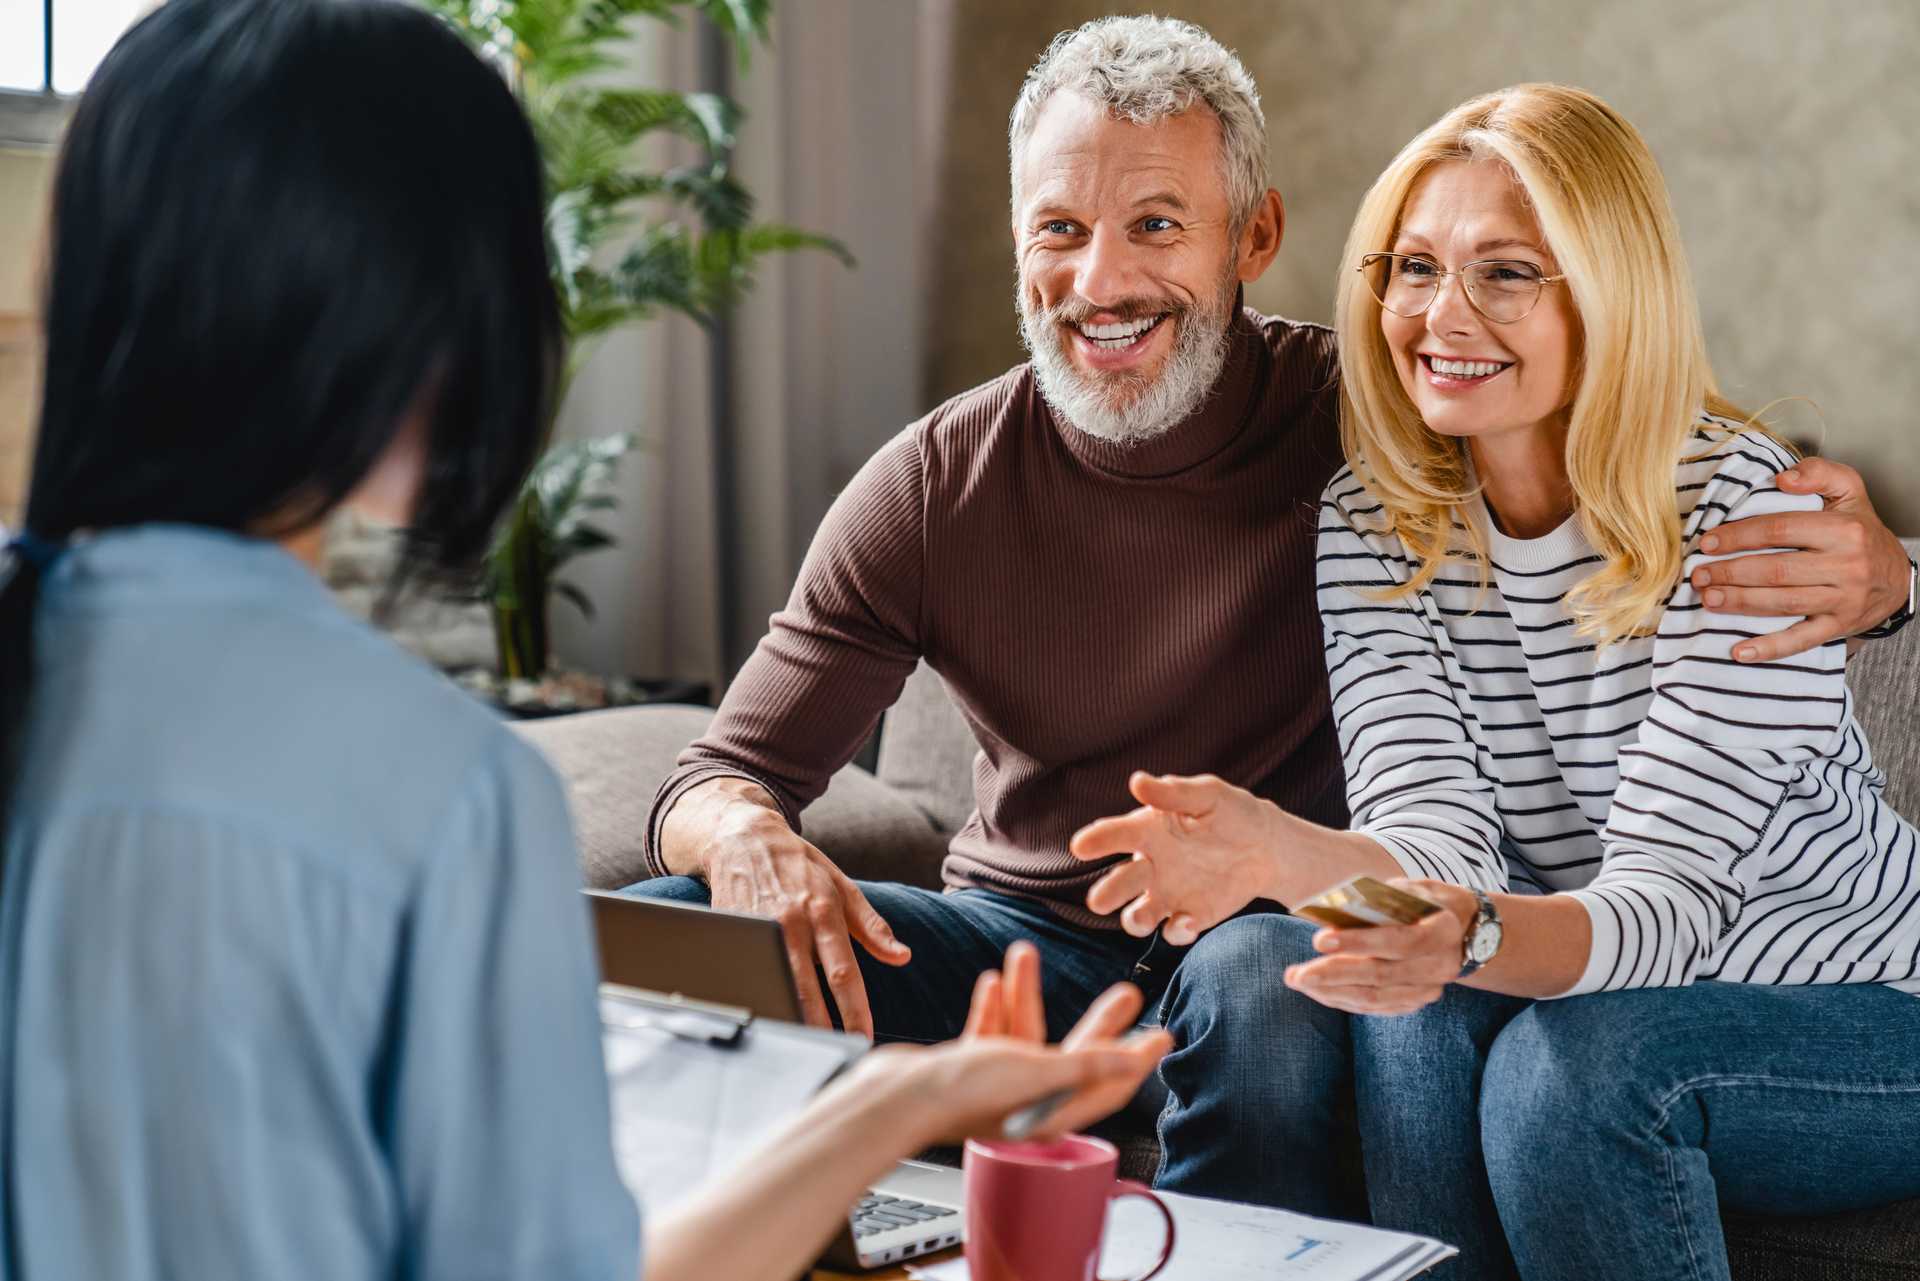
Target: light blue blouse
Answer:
pixel 294 969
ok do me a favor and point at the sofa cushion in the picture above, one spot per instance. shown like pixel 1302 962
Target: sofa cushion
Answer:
pixel 1867 1245
pixel 927 751
pixel 614 761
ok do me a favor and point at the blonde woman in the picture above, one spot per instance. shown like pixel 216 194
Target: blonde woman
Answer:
pixel 1546 732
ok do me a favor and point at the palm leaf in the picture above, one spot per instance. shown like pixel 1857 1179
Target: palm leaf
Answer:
pixel 776 238
pixel 581 601
pixel 743 21
pixel 726 261
pixel 630 114
pixel 659 272
pixel 714 193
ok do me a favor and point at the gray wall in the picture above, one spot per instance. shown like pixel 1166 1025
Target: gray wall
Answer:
pixel 1786 130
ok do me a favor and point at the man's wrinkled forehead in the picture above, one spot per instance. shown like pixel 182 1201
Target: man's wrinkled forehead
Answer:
pixel 1079 151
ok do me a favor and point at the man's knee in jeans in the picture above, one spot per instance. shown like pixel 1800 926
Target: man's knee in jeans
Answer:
pixel 673 889
pixel 1237 1025
pixel 1229 984
pixel 1259 1079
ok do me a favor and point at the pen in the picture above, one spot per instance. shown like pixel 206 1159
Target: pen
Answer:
pixel 1034 1115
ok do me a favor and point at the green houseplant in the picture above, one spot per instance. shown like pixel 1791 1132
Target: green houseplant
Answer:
pixel 626 240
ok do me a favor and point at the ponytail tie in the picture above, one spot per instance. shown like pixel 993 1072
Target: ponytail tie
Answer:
pixel 37 552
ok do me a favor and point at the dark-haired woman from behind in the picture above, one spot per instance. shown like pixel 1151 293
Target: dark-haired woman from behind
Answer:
pixel 294 975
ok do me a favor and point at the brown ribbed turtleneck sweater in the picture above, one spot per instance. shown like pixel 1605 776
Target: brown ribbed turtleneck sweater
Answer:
pixel 1093 610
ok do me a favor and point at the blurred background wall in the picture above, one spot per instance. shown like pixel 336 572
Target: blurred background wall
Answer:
pixel 1785 129
pixel 24 176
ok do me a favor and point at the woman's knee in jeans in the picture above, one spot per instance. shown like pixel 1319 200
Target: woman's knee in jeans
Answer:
pixel 1566 1071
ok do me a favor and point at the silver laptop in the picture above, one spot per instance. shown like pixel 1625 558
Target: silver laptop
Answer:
pixel 730 959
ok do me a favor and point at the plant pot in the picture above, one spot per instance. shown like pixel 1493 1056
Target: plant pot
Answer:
pixel 562 693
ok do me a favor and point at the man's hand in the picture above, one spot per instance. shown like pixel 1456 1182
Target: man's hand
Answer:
pixel 1202 850
pixel 754 863
pixel 1848 574
pixel 1389 969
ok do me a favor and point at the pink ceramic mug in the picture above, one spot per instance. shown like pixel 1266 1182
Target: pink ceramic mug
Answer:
pixel 1038 1211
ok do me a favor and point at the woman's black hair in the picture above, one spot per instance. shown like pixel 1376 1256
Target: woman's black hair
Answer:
pixel 279 228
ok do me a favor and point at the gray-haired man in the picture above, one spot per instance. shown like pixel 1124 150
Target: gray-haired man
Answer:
pixel 1108 555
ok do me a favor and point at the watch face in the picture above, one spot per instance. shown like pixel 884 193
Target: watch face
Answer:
pixel 1485 942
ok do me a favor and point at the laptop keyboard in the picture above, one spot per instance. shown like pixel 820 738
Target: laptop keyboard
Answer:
pixel 878 1213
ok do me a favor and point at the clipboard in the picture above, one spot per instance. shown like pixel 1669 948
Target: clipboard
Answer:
pixel 694 1086
pixel 681 1016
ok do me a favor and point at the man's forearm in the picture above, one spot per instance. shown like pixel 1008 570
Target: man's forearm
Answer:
pixel 705 813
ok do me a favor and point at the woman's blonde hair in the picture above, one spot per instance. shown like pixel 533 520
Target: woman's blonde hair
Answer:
pixel 1641 378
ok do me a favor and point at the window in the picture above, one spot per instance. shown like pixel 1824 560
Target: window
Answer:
pixel 48 50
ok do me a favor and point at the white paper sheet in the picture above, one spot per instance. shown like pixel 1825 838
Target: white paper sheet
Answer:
pixel 1225 1241
pixel 683 1110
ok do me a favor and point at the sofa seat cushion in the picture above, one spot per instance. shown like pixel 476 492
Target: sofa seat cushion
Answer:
pixel 1866 1245
pixel 614 761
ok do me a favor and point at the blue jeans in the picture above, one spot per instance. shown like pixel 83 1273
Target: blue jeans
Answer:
pixel 1260 1081
pixel 1617 1126
pixel 1600 1136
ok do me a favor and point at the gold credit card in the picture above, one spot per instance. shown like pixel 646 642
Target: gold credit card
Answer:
pixel 1362 902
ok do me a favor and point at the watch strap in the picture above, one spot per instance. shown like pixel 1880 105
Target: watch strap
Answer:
pixel 1904 615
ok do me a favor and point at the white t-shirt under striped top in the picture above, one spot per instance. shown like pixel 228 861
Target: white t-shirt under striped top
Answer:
pixel 1717 819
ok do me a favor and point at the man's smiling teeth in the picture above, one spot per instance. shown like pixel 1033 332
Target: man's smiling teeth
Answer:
pixel 1465 368
pixel 1115 336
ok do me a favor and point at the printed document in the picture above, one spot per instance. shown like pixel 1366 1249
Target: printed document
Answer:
pixel 1226 1241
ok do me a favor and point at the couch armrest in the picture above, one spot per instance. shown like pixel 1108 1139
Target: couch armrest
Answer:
pixel 614 761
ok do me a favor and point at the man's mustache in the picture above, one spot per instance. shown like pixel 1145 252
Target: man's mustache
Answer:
pixel 1076 310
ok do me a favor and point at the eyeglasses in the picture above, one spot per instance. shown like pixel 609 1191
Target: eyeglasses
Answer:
pixel 1501 289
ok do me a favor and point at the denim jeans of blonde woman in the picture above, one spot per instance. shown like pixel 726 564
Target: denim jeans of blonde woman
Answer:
pixel 1598 1136
pixel 1615 1127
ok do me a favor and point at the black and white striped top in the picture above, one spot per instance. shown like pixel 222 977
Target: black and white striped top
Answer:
pixel 1717 819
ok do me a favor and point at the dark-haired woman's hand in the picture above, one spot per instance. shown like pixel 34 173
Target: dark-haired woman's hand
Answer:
pixel 967 1088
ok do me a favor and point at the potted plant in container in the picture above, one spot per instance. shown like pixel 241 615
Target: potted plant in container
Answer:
pixel 625 240
pixel 547 527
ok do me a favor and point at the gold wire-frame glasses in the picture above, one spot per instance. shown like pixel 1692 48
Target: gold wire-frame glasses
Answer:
pixel 1504 290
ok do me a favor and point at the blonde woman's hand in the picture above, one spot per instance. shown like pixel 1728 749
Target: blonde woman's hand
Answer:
pixel 1390 969
pixel 1201 849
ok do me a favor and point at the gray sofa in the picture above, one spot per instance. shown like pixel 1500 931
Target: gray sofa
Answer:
pixel 892 824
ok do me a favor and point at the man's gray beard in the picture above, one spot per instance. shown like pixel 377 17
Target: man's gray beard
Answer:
pixel 1153 408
